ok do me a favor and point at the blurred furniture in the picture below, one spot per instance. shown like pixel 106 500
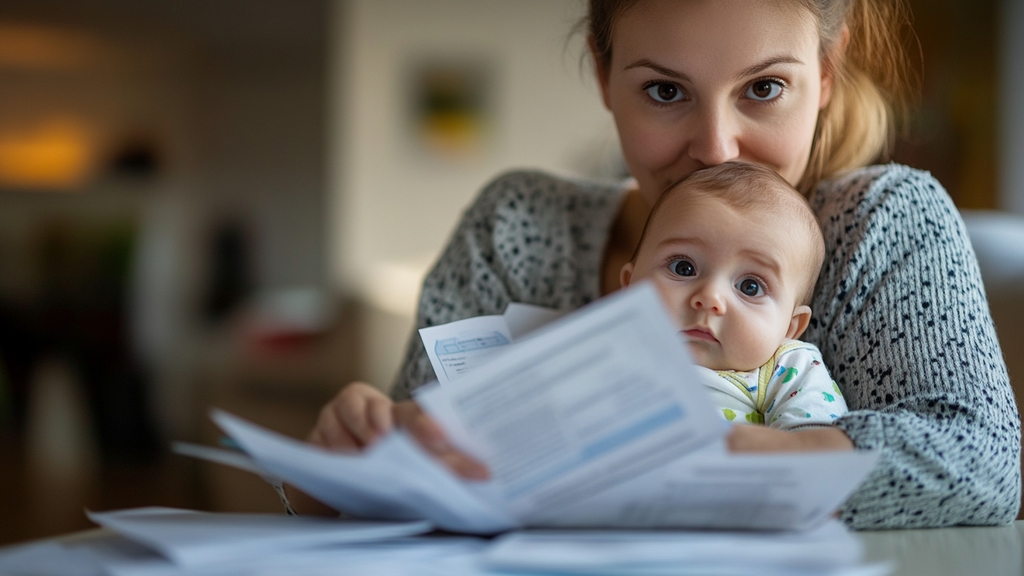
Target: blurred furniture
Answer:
pixel 998 239
pixel 78 315
pixel 279 383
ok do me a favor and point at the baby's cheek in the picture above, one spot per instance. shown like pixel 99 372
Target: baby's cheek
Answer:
pixel 756 346
pixel 670 299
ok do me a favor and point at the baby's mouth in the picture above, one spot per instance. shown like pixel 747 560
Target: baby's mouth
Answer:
pixel 700 334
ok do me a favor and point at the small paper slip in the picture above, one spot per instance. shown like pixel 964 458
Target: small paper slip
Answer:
pixel 458 347
pixel 188 537
pixel 828 549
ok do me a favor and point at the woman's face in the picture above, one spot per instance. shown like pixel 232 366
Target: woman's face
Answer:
pixel 695 83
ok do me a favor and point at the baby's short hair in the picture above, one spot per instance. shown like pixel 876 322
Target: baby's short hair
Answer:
pixel 746 187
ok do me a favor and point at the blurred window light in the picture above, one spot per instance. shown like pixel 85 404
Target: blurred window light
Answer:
pixel 56 154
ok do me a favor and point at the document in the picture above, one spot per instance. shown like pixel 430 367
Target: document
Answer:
pixel 827 549
pixel 48 558
pixel 597 419
pixel 188 537
pixel 593 400
pixel 393 480
pixel 110 554
pixel 459 347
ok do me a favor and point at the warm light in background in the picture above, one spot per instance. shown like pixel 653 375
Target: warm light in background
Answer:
pixel 56 154
pixel 25 47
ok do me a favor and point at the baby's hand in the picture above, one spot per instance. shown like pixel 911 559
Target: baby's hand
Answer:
pixel 747 438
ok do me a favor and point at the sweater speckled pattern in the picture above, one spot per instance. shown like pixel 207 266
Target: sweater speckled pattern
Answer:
pixel 900 316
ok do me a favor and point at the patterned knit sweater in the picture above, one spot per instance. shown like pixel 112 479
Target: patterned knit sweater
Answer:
pixel 900 316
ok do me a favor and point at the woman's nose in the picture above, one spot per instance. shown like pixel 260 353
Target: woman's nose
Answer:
pixel 708 299
pixel 714 137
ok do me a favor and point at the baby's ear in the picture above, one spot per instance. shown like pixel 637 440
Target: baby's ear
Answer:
pixel 798 323
pixel 626 274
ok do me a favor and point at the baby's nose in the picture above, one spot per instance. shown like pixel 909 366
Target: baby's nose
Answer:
pixel 708 299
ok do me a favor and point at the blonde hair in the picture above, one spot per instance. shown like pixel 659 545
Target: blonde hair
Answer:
pixel 750 187
pixel 861 44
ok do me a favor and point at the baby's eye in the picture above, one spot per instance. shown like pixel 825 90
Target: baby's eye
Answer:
pixel 750 287
pixel 682 267
pixel 665 92
pixel 765 90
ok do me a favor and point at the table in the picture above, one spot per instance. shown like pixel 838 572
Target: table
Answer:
pixel 950 551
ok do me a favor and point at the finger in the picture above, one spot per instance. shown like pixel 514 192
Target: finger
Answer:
pixel 330 433
pixel 427 432
pixel 351 412
pixel 379 414
pixel 333 432
pixel 465 466
pixel 432 437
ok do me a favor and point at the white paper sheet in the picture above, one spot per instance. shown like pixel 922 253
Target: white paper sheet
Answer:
pixel 459 347
pixel 829 549
pixel 592 401
pixel 715 490
pixel 115 555
pixel 232 458
pixel 189 537
pixel 47 559
pixel 393 480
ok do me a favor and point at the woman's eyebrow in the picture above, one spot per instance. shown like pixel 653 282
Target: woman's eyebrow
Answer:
pixel 766 64
pixel 645 63
pixel 755 69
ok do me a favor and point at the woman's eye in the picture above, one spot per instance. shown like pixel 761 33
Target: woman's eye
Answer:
pixel 764 90
pixel 665 92
pixel 682 268
pixel 749 287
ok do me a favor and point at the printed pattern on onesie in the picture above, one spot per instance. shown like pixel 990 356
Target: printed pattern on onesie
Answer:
pixel 792 390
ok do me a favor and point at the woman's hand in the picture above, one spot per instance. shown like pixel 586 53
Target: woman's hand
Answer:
pixel 360 415
pixel 355 418
pixel 429 434
pixel 747 438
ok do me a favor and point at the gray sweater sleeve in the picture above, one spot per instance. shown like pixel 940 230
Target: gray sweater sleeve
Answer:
pixel 903 323
pixel 463 283
pixel 528 237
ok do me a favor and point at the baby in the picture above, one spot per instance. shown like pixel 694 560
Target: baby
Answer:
pixel 735 252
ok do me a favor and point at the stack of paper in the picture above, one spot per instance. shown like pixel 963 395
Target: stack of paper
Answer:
pixel 826 551
pixel 190 538
pixel 158 541
pixel 596 420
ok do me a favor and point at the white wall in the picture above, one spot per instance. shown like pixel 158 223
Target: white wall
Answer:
pixel 393 205
pixel 1011 106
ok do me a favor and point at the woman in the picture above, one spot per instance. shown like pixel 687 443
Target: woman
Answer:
pixel 809 88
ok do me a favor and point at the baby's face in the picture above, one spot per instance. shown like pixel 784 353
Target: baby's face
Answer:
pixel 731 279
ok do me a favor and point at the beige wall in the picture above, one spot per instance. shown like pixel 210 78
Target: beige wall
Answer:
pixel 393 205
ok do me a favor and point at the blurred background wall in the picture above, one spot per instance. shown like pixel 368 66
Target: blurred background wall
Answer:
pixel 233 202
